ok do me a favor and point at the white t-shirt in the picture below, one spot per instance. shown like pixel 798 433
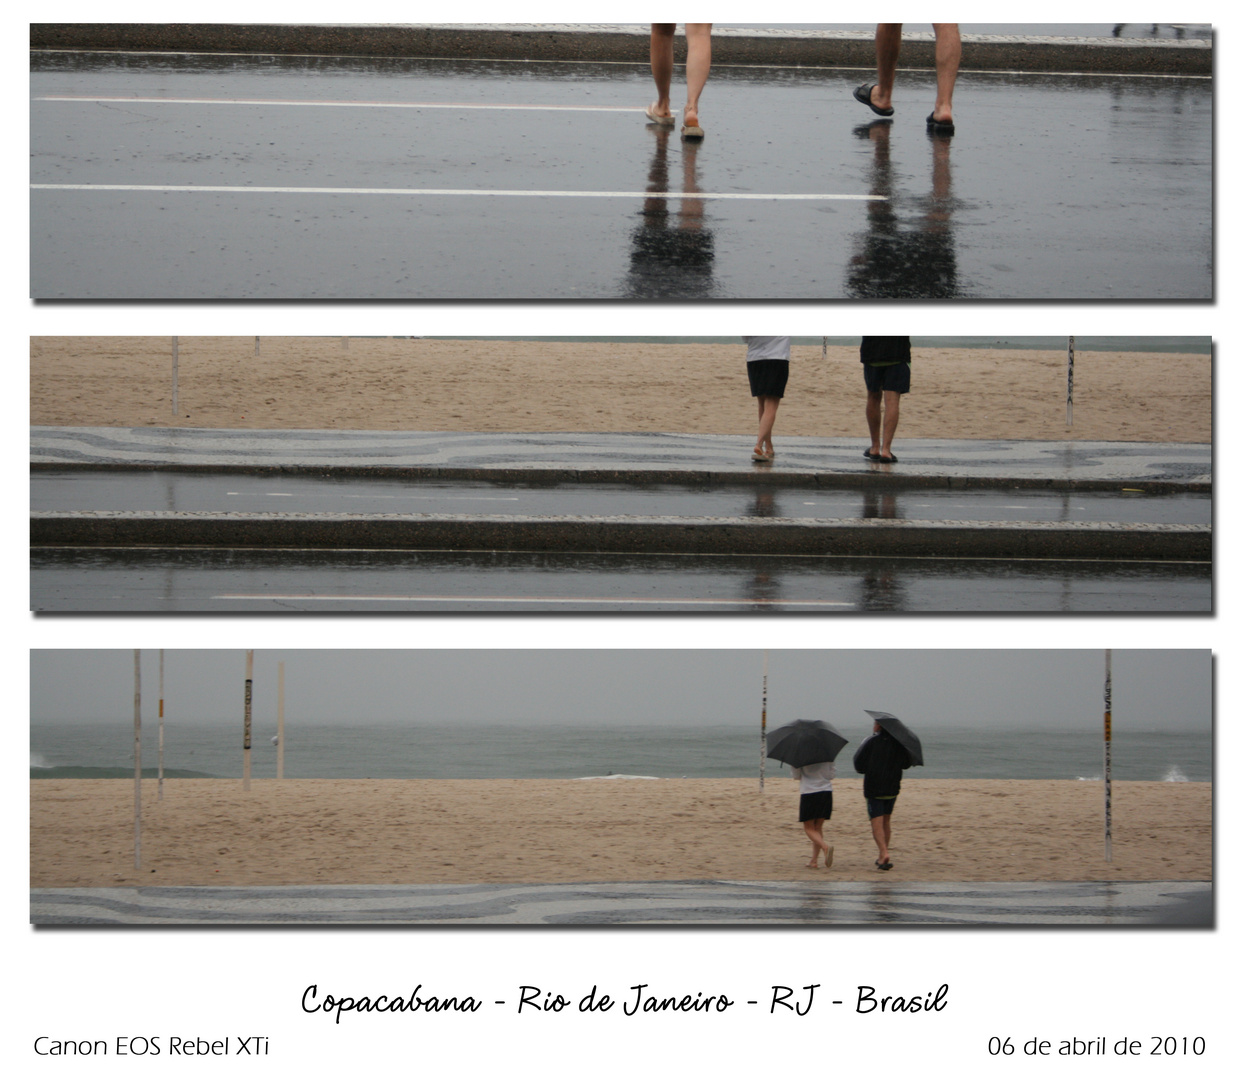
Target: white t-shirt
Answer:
pixel 766 348
pixel 815 777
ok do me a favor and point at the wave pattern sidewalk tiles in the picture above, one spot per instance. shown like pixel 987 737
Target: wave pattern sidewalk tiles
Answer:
pixel 659 456
pixel 686 903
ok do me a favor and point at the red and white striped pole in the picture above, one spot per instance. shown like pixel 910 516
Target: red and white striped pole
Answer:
pixel 1109 712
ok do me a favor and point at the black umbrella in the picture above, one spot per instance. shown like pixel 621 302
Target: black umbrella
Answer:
pixel 901 733
pixel 804 742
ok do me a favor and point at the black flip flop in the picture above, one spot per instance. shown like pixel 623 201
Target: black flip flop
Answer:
pixel 863 94
pixel 886 460
pixel 939 127
pixel 883 866
pixel 870 456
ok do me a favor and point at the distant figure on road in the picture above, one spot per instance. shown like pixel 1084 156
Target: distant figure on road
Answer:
pixel 814 807
pixel 879 98
pixel 767 365
pixel 886 369
pixel 697 70
pixel 881 758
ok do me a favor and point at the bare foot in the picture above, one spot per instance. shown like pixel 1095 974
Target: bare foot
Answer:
pixel 660 114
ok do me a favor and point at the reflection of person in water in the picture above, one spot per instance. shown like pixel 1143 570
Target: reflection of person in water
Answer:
pixel 673 251
pixel 905 255
pixel 697 70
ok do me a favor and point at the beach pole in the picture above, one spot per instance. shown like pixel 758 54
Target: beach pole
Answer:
pixel 1109 710
pixel 160 737
pixel 825 350
pixel 251 653
pixel 138 760
pixel 762 744
pixel 175 377
pixel 257 346
pixel 281 719
pixel 1070 381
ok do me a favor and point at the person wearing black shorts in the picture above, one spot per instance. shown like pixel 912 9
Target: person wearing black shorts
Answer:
pixel 881 759
pixel 814 807
pixel 767 365
pixel 886 369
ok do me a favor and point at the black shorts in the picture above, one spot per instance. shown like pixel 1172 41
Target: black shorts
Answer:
pixel 768 378
pixel 894 377
pixel 880 807
pixel 816 804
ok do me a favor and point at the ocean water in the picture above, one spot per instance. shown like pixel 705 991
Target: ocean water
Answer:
pixel 1156 344
pixel 528 751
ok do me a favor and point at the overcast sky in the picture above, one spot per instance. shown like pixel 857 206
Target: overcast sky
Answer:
pixel 1165 690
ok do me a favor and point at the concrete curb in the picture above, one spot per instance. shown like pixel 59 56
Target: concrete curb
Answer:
pixel 628 535
pixel 627 44
pixel 762 476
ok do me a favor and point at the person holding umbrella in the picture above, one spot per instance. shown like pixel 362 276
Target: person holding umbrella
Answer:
pixel 883 755
pixel 809 747
pixel 814 807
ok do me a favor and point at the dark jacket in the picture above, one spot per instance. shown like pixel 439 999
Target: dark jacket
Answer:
pixel 881 758
pixel 884 350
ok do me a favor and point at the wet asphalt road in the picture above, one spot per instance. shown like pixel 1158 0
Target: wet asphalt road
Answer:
pixel 52 490
pixel 1055 187
pixel 292 580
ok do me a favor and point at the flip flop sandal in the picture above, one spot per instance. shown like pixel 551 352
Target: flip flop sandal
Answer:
pixel 692 131
pixel 863 94
pixel 939 127
pixel 658 118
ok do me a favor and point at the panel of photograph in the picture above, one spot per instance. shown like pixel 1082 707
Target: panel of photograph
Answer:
pixel 621 162
pixel 612 787
pixel 648 475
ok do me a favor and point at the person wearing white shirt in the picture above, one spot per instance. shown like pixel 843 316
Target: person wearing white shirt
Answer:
pixel 815 807
pixel 767 364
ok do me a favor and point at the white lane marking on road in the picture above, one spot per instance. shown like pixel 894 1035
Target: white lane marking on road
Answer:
pixel 408 498
pixel 236 189
pixel 705 602
pixel 74 98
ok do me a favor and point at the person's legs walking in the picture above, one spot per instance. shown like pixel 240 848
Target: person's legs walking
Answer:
pixel 697 68
pixel 874 398
pixel 887 52
pixel 888 425
pixel 948 59
pixel 879 831
pixel 662 42
pixel 767 408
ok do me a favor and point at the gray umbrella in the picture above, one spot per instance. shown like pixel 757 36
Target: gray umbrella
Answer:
pixel 804 742
pixel 901 733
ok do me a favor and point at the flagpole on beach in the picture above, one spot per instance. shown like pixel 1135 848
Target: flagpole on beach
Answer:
pixel 251 653
pixel 138 759
pixel 1070 381
pixel 281 719
pixel 762 743
pixel 160 737
pixel 1109 711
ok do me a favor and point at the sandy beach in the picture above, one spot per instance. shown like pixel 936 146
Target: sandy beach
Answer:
pixel 211 832
pixel 389 384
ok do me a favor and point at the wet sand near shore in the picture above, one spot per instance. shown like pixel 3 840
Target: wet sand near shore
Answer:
pixel 294 832
pixel 388 384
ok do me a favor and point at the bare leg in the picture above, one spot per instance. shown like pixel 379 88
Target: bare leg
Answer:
pixel 662 39
pixel 948 58
pixel 887 52
pixel 874 397
pixel 819 846
pixel 888 428
pixel 697 68
pixel 880 831
pixel 767 407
